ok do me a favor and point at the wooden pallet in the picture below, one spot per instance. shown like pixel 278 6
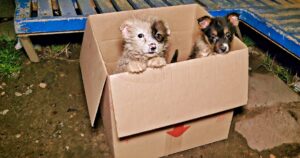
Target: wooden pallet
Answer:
pixel 279 20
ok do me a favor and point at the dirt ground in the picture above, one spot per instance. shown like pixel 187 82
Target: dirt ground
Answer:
pixel 52 121
pixel 43 113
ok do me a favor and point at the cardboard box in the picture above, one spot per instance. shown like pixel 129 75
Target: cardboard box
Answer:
pixel 142 107
pixel 167 140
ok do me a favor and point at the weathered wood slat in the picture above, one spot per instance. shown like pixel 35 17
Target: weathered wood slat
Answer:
pixel 172 2
pixel 156 3
pixel 105 6
pixel 54 4
pixel 283 2
pixel 268 2
pixel 67 8
pixel 228 4
pixel 188 1
pixel 207 3
pixel 121 5
pixel 254 5
pixel 34 5
pixel 26 42
pixel 22 9
pixel 86 7
pixel 51 25
pixel 138 4
pixel 44 8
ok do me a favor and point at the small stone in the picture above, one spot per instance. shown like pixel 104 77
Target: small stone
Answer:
pixel 37 141
pixel 62 75
pixel 28 91
pixel 272 156
pixel 81 134
pixel 37 47
pixel 3 84
pixel 18 94
pixel 106 154
pixel 297 86
pixel 18 135
pixel 15 75
pixel 1 87
pixel 28 62
pixel 43 85
pixel 104 147
pixel 2 93
pixel 61 124
pixel 67 148
pixel 4 112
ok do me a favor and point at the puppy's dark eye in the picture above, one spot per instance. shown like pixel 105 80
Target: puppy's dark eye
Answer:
pixel 140 35
pixel 214 38
pixel 228 35
pixel 159 37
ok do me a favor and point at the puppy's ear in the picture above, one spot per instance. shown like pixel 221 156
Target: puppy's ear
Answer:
pixel 233 18
pixel 125 27
pixel 168 31
pixel 204 22
pixel 160 25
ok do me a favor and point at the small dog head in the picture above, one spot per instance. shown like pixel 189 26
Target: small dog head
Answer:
pixel 148 37
pixel 219 31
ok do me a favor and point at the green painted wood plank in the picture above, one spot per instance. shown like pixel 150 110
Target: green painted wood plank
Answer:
pixel 121 5
pixel 66 7
pixel 44 8
pixel 105 6
pixel 86 7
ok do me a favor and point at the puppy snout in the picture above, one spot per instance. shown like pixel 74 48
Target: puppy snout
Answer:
pixel 224 47
pixel 153 46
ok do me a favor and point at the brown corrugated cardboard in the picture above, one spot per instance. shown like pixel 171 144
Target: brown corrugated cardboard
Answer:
pixel 164 141
pixel 147 103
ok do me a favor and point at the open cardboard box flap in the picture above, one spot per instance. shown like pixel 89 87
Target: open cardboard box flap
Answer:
pixel 160 97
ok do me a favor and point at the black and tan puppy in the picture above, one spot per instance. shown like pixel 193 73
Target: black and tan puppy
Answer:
pixel 217 35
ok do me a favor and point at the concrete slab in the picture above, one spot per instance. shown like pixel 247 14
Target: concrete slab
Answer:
pixel 271 128
pixel 267 90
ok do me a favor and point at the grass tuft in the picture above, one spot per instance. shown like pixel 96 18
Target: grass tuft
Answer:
pixel 57 48
pixel 282 72
pixel 248 41
pixel 10 61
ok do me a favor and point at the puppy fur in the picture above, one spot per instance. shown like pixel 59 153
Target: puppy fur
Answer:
pixel 145 44
pixel 217 35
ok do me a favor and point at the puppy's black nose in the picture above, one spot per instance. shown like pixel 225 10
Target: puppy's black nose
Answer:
pixel 153 46
pixel 223 48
